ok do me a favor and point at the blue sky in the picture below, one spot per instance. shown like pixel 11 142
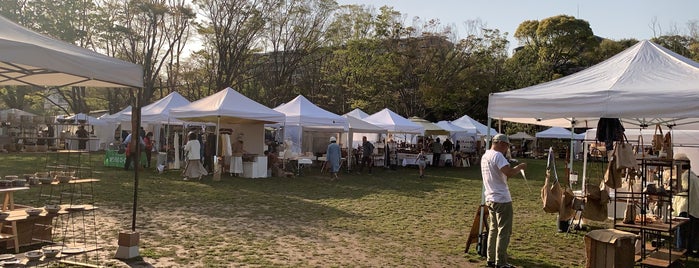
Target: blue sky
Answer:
pixel 613 19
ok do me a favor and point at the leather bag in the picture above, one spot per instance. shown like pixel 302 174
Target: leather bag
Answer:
pixel 667 146
pixel 658 138
pixel 624 156
pixel 612 177
pixel 551 193
pixel 630 212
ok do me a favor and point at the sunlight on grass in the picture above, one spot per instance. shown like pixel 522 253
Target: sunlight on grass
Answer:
pixel 388 219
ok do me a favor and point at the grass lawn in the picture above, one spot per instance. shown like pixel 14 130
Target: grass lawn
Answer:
pixel 386 219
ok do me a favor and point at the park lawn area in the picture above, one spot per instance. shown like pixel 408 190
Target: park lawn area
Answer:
pixel 385 219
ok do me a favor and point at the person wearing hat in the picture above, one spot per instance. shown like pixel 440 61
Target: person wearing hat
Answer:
pixel 333 158
pixel 495 169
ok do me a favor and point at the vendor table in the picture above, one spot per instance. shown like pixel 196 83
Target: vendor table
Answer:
pixel 113 158
pixel 256 168
pixel 410 159
pixel 443 159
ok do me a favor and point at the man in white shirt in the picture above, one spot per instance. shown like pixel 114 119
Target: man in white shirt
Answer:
pixel 495 169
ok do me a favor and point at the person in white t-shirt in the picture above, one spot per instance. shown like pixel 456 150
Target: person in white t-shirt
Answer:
pixel 495 169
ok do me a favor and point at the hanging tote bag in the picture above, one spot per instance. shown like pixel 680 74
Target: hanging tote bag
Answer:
pixel 658 138
pixel 551 193
pixel 666 149
pixel 640 149
pixel 630 212
pixel 612 177
pixel 624 155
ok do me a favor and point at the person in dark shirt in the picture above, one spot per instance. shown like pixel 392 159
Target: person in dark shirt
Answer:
pixel 83 136
pixel 367 152
pixel 447 146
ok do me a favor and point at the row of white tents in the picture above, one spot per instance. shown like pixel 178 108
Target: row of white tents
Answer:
pixel 296 118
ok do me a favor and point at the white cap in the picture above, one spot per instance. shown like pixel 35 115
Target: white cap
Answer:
pixel 332 139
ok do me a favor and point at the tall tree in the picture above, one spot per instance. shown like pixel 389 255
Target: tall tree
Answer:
pixel 293 35
pixel 232 29
pixel 560 42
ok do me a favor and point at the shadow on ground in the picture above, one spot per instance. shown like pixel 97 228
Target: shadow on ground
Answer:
pixel 137 262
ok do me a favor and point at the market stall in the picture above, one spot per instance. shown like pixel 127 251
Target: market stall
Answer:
pixel 642 86
pixel 231 110
pixel 399 128
pixel 357 129
pixel 309 127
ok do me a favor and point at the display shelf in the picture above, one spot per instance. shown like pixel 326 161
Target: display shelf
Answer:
pixel 75 223
pixel 659 229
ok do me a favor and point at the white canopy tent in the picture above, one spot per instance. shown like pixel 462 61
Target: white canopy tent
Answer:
pixel 456 132
pixel 357 129
pixel 466 138
pixel 118 117
pixel 14 112
pixel 394 123
pixel 430 128
pixel 358 113
pixel 303 118
pixel 158 112
pixel 521 136
pixel 558 133
pixel 29 58
pixel 643 85
pixel 102 131
pixel 472 125
pixel 229 107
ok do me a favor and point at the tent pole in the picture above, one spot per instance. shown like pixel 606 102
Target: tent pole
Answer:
pixel 218 128
pixel 135 129
pixel 572 153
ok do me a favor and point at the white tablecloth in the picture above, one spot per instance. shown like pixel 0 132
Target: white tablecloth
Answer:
pixel 410 159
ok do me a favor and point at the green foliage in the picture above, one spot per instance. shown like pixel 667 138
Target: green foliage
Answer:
pixel 341 57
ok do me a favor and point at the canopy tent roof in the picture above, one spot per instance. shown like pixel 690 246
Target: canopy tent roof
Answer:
pixel 159 111
pixel 228 107
pixel 16 112
pixel 302 112
pixel 521 136
pixel 643 85
pixel 448 126
pixel 558 133
pixel 430 128
pixel 118 116
pixel 393 122
pixel 360 126
pixel 358 113
pixel 472 125
pixel 686 138
pixel 90 120
pixel 29 58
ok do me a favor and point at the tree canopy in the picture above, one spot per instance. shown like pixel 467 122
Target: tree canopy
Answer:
pixel 340 57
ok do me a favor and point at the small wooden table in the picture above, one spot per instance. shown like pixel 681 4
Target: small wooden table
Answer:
pixel 8 203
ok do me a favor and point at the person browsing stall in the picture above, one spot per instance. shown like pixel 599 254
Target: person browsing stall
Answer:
pixel 495 169
pixel 367 151
pixel 83 136
pixel 194 168
pixel 333 158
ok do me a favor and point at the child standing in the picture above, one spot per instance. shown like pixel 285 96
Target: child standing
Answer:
pixel 421 162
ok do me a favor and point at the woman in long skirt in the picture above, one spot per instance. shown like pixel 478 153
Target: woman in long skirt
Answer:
pixel 194 167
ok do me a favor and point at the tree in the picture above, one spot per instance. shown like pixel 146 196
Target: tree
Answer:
pixel 231 30
pixel 292 37
pixel 560 42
